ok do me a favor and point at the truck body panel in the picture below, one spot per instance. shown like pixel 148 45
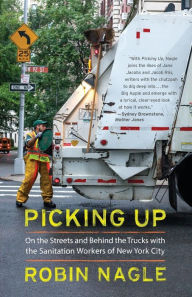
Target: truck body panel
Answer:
pixel 146 82
pixel 142 125
pixel 182 133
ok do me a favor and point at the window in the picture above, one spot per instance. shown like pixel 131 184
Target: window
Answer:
pixel 186 4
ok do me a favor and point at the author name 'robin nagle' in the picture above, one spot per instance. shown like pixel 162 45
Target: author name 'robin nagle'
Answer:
pixel 102 274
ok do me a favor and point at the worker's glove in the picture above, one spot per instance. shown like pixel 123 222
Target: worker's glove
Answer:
pixel 38 135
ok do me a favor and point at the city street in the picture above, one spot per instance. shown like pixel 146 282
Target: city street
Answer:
pixel 18 244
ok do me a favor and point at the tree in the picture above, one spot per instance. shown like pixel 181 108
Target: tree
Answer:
pixel 60 25
pixel 133 12
pixel 9 69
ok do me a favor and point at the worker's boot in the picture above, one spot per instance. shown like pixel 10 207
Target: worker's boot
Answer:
pixel 50 204
pixel 19 204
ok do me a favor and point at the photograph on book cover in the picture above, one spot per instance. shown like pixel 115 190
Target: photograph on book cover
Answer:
pixel 95 161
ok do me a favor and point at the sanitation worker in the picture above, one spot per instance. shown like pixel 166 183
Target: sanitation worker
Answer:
pixel 36 161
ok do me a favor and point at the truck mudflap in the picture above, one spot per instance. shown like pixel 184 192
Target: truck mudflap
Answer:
pixel 180 181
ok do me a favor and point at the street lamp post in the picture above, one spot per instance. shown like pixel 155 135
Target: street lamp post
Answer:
pixel 19 165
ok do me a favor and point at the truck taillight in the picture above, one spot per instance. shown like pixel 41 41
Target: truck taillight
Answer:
pixel 69 180
pixel 57 180
pixel 103 142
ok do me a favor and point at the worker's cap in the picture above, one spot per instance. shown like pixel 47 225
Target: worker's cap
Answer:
pixel 38 122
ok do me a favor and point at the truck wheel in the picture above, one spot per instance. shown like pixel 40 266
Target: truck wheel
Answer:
pixel 183 173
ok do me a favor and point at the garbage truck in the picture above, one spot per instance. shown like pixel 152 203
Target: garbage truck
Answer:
pixel 139 128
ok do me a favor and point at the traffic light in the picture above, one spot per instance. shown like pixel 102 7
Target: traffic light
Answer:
pixel 96 50
pixel 89 64
pixel 94 55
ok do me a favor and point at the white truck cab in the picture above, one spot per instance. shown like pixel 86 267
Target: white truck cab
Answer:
pixel 142 120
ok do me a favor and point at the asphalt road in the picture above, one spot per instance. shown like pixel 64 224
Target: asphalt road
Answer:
pixel 87 248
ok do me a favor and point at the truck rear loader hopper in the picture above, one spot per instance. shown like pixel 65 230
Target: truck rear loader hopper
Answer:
pixel 142 120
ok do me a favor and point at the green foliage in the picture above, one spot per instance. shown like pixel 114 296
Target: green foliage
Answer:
pixel 8 101
pixel 9 69
pixel 62 47
pixel 35 108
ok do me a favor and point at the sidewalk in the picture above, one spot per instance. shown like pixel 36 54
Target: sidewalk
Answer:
pixel 7 168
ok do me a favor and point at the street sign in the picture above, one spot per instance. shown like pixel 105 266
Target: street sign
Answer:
pixel 25 78
pixel 23 55
pixel 41 69
pixel 22 87
pixel 24 37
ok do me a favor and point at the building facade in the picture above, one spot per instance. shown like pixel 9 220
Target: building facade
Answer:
pixel 117 11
